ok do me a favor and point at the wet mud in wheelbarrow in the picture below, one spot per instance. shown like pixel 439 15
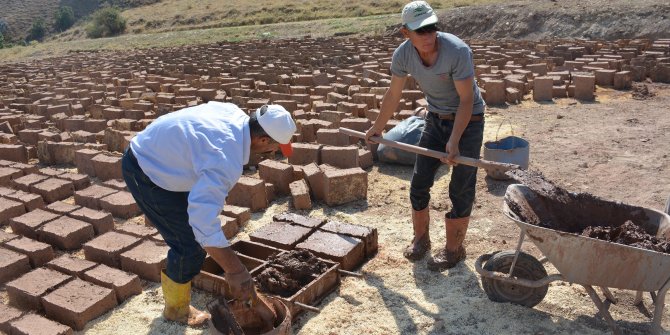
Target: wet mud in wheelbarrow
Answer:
pixel 553 207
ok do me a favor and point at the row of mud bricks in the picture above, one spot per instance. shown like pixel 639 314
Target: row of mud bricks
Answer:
pixel 50 215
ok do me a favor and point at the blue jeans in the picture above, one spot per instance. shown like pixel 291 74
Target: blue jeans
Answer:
pixel 463 177
pixel 167 211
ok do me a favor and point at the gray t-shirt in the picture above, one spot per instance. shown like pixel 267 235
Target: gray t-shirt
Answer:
pixel 454 62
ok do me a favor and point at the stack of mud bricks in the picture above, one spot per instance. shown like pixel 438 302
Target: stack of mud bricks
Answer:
pixel 347 244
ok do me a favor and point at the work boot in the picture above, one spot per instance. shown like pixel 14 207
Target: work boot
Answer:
pixel 421 242
pixel 178 303
pixel 454 252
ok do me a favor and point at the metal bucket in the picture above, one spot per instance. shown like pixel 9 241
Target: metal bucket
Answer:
pixel 510 149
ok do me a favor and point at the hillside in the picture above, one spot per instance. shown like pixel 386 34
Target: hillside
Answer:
pixel 20 14
pixel 540 19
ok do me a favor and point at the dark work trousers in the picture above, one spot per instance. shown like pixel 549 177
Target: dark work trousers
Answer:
pixel 463 178
pixel 167 211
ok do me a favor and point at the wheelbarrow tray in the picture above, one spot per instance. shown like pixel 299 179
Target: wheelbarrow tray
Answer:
pixel 588 261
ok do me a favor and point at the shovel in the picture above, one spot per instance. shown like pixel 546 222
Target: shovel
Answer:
pixel 480 163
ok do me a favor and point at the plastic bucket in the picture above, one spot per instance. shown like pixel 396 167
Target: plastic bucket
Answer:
pixel 510 149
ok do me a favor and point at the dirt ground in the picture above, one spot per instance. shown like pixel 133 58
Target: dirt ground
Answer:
pixel 616 148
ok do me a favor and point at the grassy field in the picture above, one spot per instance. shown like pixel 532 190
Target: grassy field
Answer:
pixel 189 14
pixel 184 22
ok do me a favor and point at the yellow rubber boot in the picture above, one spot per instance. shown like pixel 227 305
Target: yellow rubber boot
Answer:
pixel 178 303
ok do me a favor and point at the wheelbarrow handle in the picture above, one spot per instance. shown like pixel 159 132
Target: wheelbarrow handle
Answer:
pixel 432 153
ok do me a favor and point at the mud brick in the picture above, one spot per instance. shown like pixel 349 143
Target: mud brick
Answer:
pixel 66 233
pixel 242 214
pixel 123 283
pixel 137 230
pixel 495 92
pixel 300 195
pixel 38 253
pixel 332 137
pixel 584 86
pixel 33 324
pixel 605 77
pixel 229 226
pixel 343 186
pixel 8 174
pixel 53 189
pixel 71 265
pixel 305 153
pixel 10 209
pixel 5 191
pixel 78 302
pixel 29 136
pixel 30 200
pixel 107 248
pixel 346 250
pixel 60 207
pixel 342 157
pixel 120 204
pixel 248 192
pixel 298 173
pixel 80 181
pixel 280 235
pixel 51 172
pixel 28 223
pixel 7 314
pixel 365 158
pixel 14 152
pixel 559 91
pixel 82 159
pixel 27 168
pixel 26 291
pixel 315 179
pixel 24 183
pixel 145 260
pixel 359 124
pixel 107 167
pixel 543 89
pixel 299 220
pixel 6 237
pixel 90 196
pixel 278 173
pixel 271 191
pixel 117 184
pixel 13 264
pixel 368 235
pixel 623 80
pixel 101 221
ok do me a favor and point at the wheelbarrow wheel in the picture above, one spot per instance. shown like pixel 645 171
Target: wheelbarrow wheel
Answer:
pixel 527 267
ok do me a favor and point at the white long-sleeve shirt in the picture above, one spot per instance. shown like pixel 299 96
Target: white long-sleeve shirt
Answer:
pixel 201 150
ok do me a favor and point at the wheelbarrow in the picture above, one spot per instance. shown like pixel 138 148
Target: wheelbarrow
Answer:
pixel 519 278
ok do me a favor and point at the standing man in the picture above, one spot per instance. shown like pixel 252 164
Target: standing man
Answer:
pixel 180 170
pixel 442 65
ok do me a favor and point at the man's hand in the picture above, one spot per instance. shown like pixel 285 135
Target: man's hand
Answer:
pixel 373 131
pixel 241 286
pixel 452 152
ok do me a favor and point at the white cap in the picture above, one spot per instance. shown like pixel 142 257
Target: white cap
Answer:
pixel 417 14
pixel 278 123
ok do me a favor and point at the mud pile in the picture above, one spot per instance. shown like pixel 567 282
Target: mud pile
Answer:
pixel 289 272
pixel 629 234
pixel 547 205
pixel 641 91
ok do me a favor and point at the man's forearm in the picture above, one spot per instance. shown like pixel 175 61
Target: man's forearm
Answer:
pixel 226 258
pixel 463 115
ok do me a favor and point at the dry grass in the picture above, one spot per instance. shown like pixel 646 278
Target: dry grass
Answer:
pixel 189 14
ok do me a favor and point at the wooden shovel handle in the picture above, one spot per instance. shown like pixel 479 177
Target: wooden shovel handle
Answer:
pixel 432 153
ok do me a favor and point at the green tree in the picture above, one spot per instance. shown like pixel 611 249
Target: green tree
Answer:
pixel 106 22
pixel 37 31
pixel 2 41
pixel 64 18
